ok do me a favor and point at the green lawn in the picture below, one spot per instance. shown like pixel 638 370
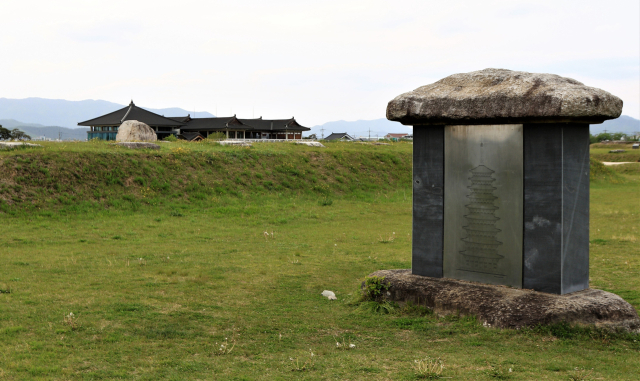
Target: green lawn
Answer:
pixel 156 290
pixel 600 151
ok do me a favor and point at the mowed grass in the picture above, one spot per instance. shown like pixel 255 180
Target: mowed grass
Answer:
pixel 615 232
pixel 600 151
pixel 156 291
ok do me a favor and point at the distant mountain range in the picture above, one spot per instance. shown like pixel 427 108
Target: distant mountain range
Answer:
pixel 364 128
pixel 381 127
pixel 56 117
pixel 36 131
pixel 59 112
pixel 624 123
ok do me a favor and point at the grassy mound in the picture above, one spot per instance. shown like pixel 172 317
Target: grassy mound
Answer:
pixel 111 176
pixel 600 151
pixel 601 173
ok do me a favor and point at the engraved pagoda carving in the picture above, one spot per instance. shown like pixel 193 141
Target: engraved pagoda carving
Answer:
pixel 480 252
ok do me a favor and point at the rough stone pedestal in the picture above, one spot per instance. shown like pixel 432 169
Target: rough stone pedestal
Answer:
pixel 138 145
pixel 504 307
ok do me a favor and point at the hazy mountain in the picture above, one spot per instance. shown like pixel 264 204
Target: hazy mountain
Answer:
pixel 624 123
pixel 378 127
pixel 59 112
pixel 12 123
pixel 52 132
pixel 41 112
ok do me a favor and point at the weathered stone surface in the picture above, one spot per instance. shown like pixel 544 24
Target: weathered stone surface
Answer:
pixel 505 307
pixel 235 143
pixel 134 131
pixel 138 145
pixel 499 96
pixel 310 144
pixel 17 144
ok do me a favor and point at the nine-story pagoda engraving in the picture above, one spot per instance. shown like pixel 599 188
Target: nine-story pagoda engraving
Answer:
pixel 480 252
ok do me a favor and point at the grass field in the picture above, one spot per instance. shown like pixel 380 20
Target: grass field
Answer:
pixel 600 151
pixel 197 283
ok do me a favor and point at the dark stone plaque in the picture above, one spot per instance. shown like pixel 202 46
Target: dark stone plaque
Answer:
pixel 428 200
pixel 556 207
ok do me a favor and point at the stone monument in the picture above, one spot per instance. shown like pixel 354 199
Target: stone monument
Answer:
pixel 134 131
pixel 501 180
pixel 135 135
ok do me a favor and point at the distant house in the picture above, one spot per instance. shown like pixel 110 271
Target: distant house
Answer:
pixel 343 136
pixel 106 127
pixel 191 136
pixel 395 137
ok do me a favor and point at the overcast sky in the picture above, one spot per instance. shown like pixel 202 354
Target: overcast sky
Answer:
pixel 316 60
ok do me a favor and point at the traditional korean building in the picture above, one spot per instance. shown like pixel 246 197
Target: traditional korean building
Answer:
pixel 106 127
pixel 235 128
pixel 275 128
pixel 342 136
pixel 395 137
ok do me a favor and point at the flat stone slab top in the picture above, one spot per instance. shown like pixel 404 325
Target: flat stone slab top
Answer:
pixel 500 96
pixel 138 145
pixel 504 307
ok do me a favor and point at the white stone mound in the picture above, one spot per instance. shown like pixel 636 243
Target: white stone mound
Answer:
pixel 138 145
pixel 237 143
pixel 134 131
pixel 311 144
pixel 329 295
pixel 17 144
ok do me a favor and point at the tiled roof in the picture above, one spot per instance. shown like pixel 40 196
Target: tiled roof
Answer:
pixel 338 136
pixel 274 124
pixel 131 112
pixel 190 136
pixel 182 119
pixel 215 124
pixel 187 123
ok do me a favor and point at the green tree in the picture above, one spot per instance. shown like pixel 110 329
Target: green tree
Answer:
pixel 5 134
pixel 19 135
pixel 604 136
pixel 619 136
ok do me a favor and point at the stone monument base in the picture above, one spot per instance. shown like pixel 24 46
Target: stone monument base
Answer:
pixel 504 307
pixel 138 145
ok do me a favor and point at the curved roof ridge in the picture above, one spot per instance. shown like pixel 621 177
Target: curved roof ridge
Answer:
pixel 132 112
pixel 105 115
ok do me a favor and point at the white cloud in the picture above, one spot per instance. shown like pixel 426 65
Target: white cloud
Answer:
pixel 319 61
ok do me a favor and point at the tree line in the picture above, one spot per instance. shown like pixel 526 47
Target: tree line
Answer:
pixel 613 136
pixel 15 134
